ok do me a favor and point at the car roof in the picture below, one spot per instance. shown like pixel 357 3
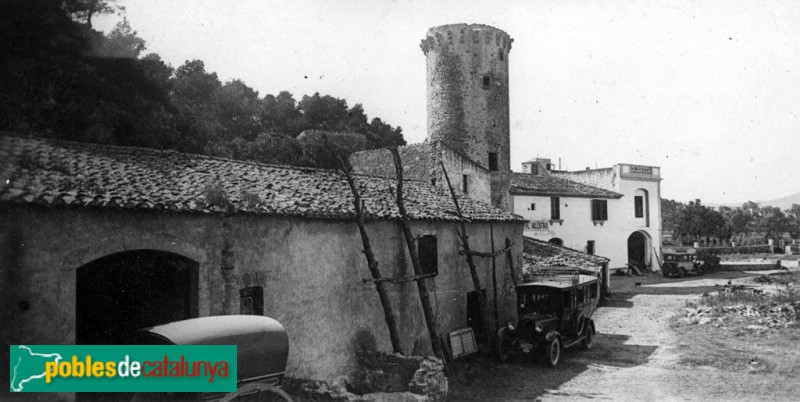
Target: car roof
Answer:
pixel 208 329
pixel 559 281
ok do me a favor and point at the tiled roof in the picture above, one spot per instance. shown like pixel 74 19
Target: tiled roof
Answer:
pixel 538 253
pixel 548 185
pixel 48 172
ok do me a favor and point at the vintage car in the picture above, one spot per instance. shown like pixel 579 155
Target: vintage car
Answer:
pixel 555 312
pixel 262 352
pixel 680 261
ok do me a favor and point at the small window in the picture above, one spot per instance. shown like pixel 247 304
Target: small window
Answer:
pixel 428 256
pixel 535 168
pixel 251 301
pixel 501 55
pixel 433 182
pixel 465 183
pixel 486 82
pixel 593 291
pixel 533 206
pixel 590 247
pixel 555 208
pixel 493 161
pixel 599 210
pixel 638 206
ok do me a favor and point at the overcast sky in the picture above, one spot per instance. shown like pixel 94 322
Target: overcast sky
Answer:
pixel 708 90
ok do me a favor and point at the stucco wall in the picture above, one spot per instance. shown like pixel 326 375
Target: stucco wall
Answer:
pixel 311 271
pixel 577 228
pixel 479 182
pixel 622 219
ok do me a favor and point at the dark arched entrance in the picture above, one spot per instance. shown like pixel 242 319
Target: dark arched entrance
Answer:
pixel 126 291
pixel 637 249
pixel 556 241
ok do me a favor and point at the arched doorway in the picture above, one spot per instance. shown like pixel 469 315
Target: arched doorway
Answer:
pixel 556 241
pixel 639 249
pixel 130 290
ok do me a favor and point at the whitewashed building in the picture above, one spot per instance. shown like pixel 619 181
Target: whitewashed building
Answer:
pixel 613 212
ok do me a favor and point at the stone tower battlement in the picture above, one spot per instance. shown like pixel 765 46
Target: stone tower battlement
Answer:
pixel 443 36
pixel 467 88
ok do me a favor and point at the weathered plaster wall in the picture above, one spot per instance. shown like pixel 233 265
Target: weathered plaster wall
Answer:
pixel 479 181
pixel 421 162
pixel 611 238
pixel 602 178
pixel 311 271
pixel 471 117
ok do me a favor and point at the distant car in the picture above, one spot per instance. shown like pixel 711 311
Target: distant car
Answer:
pixel 680 261
pixel 262 352
pixel 555 312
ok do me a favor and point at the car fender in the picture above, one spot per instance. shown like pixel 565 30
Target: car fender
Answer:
pixel 552 334
pixel 591 327
pixel 504 333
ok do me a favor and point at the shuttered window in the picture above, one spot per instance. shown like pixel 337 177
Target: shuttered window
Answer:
pixel 599 210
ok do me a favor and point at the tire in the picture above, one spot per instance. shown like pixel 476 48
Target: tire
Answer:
pixel 552 352
pixel 587 341
pixel 681 272
pixel 667 270
pixel 700 271
pixel 503 347
pixel 262 392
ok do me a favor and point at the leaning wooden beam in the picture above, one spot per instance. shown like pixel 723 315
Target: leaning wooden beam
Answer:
pixel 400 280
pixel 462 234
pixel 483 254
pixel 422 288
pixel 372 262
pixel 510 261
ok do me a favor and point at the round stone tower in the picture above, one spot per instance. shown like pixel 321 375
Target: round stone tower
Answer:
pixel 468 91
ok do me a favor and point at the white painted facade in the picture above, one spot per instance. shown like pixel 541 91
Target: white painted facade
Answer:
pixel 576 228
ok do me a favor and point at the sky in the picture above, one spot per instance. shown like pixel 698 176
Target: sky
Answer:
pixel 707 90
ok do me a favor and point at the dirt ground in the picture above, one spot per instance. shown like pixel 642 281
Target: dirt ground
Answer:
pixel 636 356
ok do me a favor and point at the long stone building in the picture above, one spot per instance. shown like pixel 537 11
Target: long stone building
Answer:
pixel 97 241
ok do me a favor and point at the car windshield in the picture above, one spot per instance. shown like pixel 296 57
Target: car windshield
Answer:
pixel 540 300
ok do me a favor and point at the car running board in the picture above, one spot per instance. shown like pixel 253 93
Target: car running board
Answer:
pixel 575 342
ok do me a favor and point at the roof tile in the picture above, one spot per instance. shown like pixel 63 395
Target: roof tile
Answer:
pixel 547 185
pixel 79 174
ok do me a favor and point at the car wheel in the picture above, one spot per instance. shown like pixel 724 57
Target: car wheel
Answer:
pixel 667 269
pixel 587 341
pixel 700 271
pixel 503 347
pixel 552 352
pixel 258 392
pixel 681 272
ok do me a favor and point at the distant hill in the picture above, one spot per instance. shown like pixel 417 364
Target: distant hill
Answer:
pixel 782 203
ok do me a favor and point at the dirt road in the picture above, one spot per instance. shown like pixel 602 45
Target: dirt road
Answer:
pixel 635 356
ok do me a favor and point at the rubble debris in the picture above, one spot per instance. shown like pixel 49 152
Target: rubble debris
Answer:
pixel 766 316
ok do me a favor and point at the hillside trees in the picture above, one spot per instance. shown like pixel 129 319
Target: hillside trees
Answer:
pixel 698 222
pixel 62 79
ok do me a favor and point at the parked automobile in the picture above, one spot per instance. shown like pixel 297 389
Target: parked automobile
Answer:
pixel 262 352
pixel 555 312
pixel 680 261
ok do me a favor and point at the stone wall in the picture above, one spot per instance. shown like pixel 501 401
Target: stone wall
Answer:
pixel 311 272
pixel 421 162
